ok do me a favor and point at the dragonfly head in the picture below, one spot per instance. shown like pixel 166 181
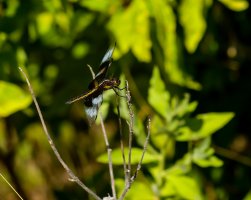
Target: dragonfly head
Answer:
pixel 115 82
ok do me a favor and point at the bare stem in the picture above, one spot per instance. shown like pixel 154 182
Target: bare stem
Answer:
pixel 122 145
pixel 109 151
pixel 72 176
pixel 131 125
pixel 144 150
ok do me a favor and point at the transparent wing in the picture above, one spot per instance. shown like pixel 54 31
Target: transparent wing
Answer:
pixel 108 54
pixel 105 63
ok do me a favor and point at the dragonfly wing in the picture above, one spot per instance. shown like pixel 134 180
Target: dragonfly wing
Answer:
pixel 105 63
pixel 108 55
pixel 91 107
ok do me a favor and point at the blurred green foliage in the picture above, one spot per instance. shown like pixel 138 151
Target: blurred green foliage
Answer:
pixel 12 99
pixel 165 49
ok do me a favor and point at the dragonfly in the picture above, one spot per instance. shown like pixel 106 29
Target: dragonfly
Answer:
pixel 93 97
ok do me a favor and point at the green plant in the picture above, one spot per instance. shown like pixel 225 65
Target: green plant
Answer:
pixel 171 175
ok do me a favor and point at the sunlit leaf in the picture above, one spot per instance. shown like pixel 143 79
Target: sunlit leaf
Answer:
pixel 139 191
pixel 167 189
pixel 12 99
pixel 204 125
pixel 203 154
pixel 236 5
pixel 136 156
pixel 186 187
pixel 132 31
pixel 167 36
pixel 193 21
pixel 181 167
pixel 158 96
pixel 211 161
pixel 183 107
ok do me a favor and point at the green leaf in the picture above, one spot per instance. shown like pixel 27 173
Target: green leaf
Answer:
pixel 167 37
pixel 203 154
pixel 235 5
pixel 12 99
pixel 186 187
pixel 181 167
pixel 211 161
pixel 136 156
pixel 158 96
pixel 160 137
pixel 203 125
pixel 132 31
pixel 139 190
pixel 193 22
pixel 183 107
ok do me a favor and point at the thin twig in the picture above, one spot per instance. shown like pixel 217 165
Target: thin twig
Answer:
pixel 11 186
pixel 144 149
pixel 131 125
pixel 122 144
pixel 72 176
pixel 109 150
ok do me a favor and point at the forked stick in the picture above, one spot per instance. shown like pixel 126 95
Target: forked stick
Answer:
pixel 127 167
pixel 72 176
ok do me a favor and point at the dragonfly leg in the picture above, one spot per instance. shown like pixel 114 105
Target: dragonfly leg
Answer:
pixel 116 92
pixel 119 88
